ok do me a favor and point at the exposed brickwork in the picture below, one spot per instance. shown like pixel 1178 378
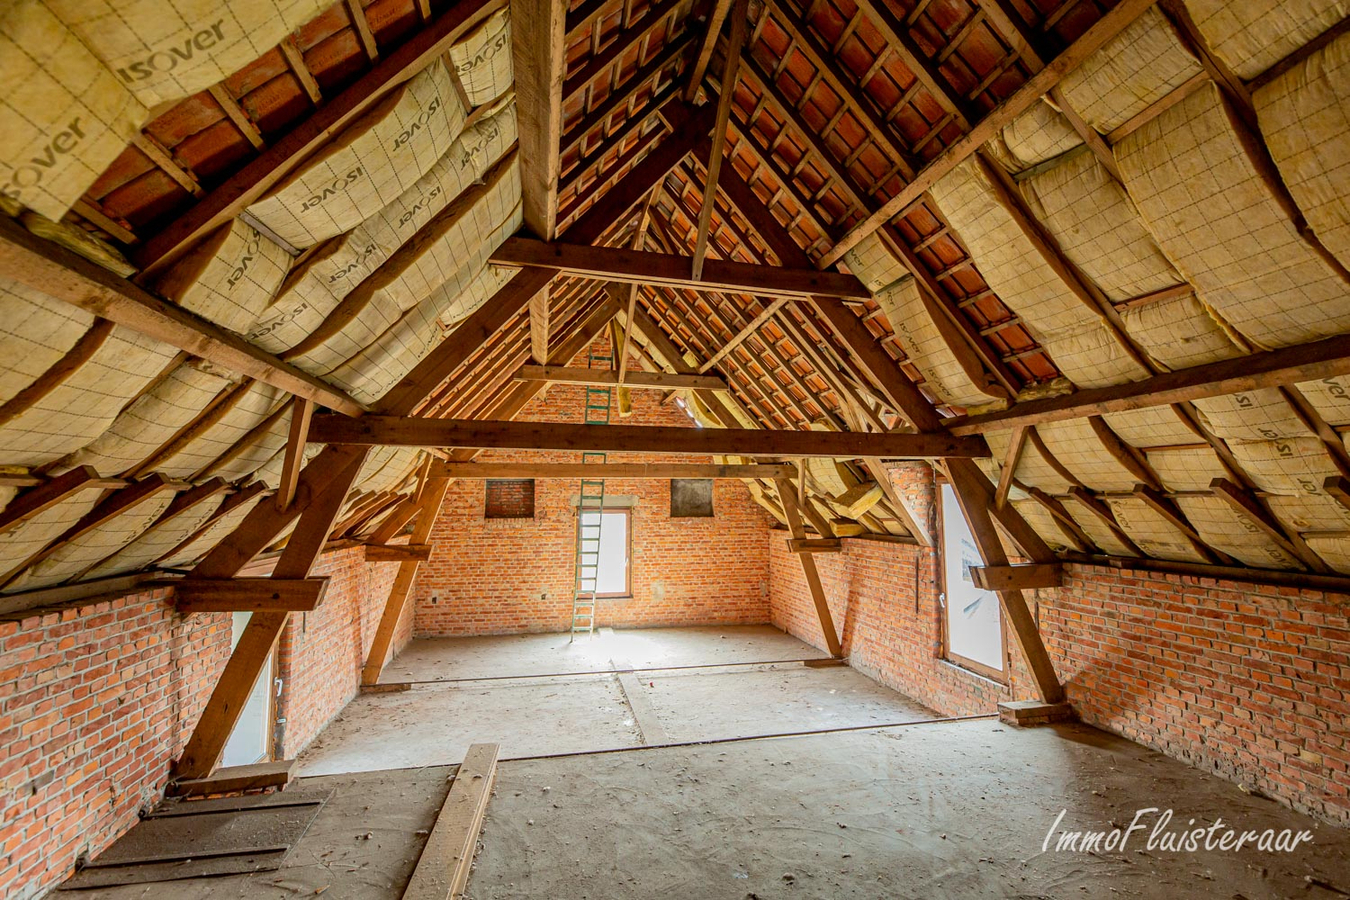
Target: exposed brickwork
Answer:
pixel 321 653
pixel 1252 683
pixel 488 575
pixel 98 699
pixel 509 498
pixel 1249 682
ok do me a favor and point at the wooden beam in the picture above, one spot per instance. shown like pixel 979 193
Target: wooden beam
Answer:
pixel 513 297
pixel 629 39
pixel 1272 368
pixel 395 431
pixel 538 55
pixel 443 868
pixel 432 498
pixel 230 694
pixel 739 337
pixel 112 506
pixel 198 595
pixel 302 411
pixel 970 497
pixel 1338 487
pixel 1098 508
pixel 609 470
pixel 787 496
pixel 233 779
pixel 729 71
pixel 1156 500
pixel 1251 509
pixel 398 552
pixel 878 365
pixel 539 325
pixel 245 186
pixel 1018 577
pixel 61 274
pixel 711 30
pixel 45 495
pixel 1106 28
pixel 1312 581
pixel 1016 444
pixel 664 381
pixel 646 268
pixel 815 545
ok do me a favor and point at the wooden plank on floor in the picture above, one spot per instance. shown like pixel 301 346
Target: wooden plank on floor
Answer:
pixel 233 779
pixel 644 714
pixel 443 869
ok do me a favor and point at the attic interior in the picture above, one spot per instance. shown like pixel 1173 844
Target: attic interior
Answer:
pixel 637 448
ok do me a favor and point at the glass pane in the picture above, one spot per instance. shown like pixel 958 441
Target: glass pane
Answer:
pixel 613 554
pixel 973 616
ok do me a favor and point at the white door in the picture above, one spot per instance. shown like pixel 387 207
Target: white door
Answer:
pixel 248 741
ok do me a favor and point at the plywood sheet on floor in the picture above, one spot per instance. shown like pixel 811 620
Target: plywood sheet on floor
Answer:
pixel 429 659
pixel 954 810
pixel 363 845
pixel 435 724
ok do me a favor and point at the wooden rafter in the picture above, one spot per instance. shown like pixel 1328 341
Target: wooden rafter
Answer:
pixel 643 267
pixel 1273 368
pixel 61 274
pixel 241 189
pixel 730 70
pixel 1106 28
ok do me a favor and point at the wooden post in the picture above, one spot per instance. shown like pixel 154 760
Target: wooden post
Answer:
pixel 1015 610
pixel 432 498
pixel 227 701
pixel 787 495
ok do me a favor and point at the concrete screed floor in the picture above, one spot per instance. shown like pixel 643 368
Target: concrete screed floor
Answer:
pixel 946 810
pixel 435 721
pixel 926 810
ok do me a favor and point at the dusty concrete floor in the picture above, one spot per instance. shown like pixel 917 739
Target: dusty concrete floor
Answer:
pixel 955 810
pixel 434 723
pixel 951 810
pixel 429 659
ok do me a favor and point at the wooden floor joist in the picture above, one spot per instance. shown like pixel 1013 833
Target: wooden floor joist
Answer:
pixel 443 868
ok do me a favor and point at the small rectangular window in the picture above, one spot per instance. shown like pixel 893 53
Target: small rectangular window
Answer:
pixel 691 498
pixel 509 498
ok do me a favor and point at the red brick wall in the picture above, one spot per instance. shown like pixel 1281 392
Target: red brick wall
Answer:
pixel 1249 682
pixel 321 653
pixel 487 575
pixel 96 701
